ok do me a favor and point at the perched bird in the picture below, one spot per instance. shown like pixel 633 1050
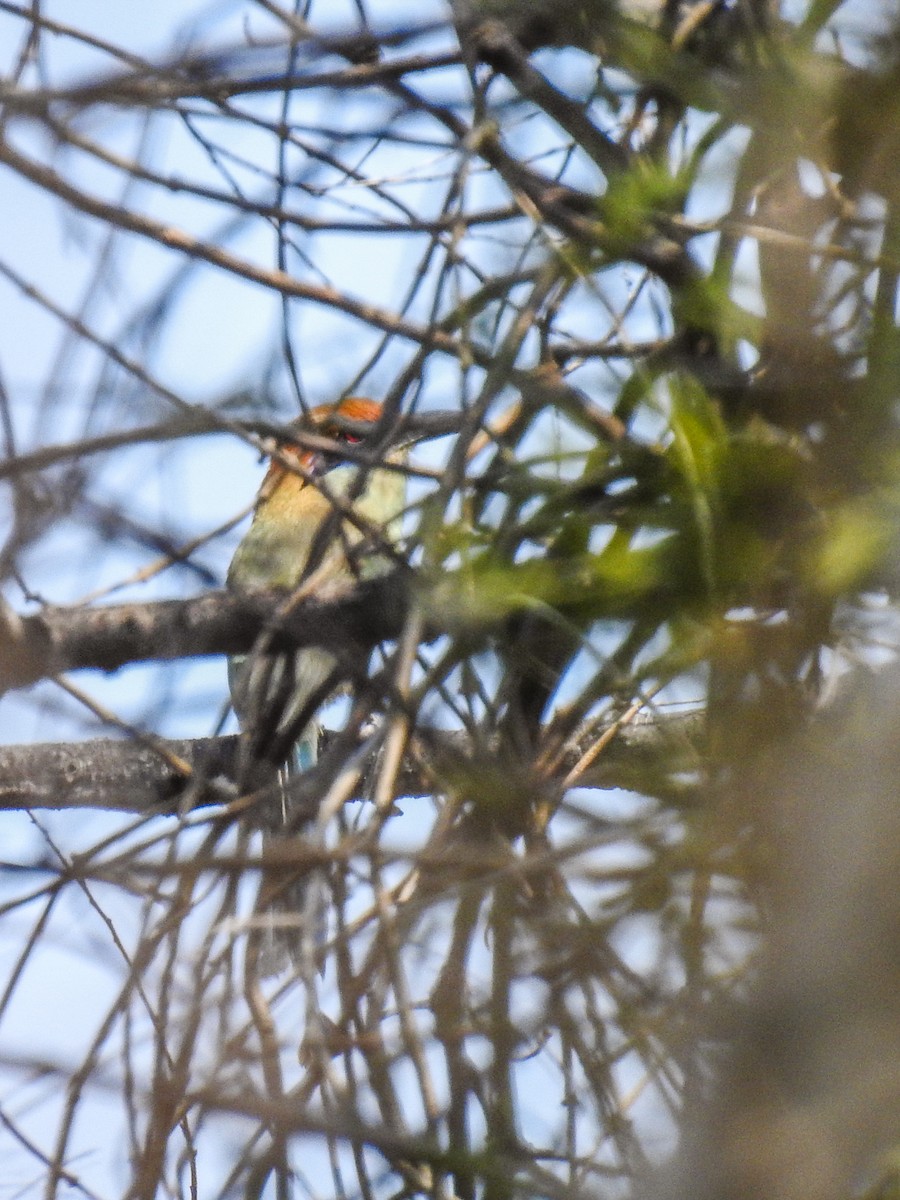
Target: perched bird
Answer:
pixel 300 540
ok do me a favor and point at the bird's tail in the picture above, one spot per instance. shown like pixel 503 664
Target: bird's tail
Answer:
pixel 291 910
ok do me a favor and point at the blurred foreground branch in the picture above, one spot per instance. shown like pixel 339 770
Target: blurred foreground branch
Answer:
pixel 808 1105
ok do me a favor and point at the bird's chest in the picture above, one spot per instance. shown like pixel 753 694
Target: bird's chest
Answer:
pixel 294 523
pixel 291 523
pixel 272 554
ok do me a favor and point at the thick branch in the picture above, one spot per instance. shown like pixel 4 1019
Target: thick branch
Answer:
pixel 109 773
pixel 107 638
pixel 126 776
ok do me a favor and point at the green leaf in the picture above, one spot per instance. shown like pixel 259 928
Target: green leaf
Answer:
pixel 697 453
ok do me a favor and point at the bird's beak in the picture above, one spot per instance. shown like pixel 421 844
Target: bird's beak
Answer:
pixel 317 463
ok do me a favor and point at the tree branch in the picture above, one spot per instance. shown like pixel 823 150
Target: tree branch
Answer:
pixel 127 776
pixel 106 638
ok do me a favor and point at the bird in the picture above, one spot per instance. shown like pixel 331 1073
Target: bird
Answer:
pixel 320 523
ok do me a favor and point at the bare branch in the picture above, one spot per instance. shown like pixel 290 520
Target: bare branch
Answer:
pixel 106 638
pixel 125 776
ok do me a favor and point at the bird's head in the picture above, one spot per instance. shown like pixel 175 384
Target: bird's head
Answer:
pixel 335 492
pixel 348 423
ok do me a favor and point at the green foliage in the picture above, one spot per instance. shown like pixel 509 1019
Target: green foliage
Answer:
pixel 635 199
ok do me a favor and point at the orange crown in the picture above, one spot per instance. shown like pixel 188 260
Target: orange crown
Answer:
pixel 351 408
pixel 321 418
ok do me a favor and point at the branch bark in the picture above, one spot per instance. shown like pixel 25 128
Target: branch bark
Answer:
pixel 126 776
pixel 63 639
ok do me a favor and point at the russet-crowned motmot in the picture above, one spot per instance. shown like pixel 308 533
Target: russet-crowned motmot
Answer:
pixel 302 540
